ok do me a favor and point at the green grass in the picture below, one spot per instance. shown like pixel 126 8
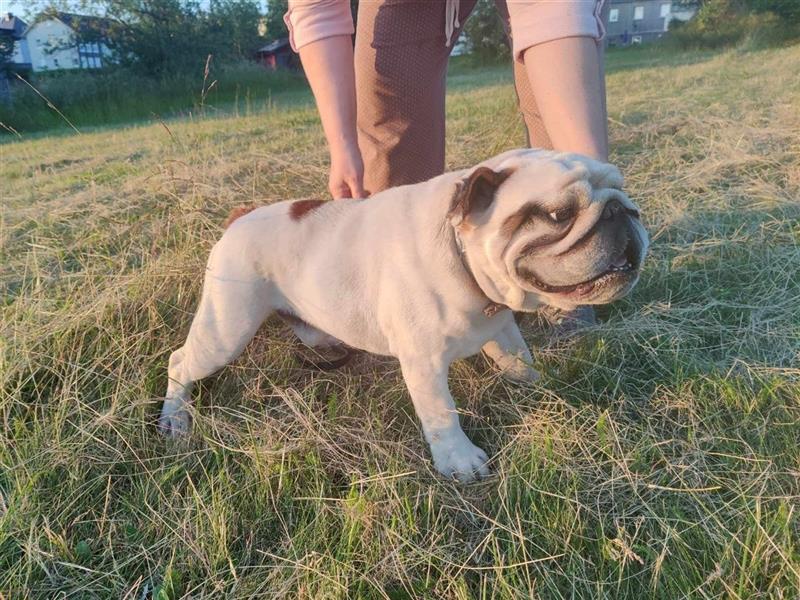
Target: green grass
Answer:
pixel 89 99
pixel 658 457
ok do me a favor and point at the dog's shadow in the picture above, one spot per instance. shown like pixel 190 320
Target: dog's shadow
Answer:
pixel 580 368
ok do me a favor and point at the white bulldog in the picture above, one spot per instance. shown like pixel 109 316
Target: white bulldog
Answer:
pixel 428 273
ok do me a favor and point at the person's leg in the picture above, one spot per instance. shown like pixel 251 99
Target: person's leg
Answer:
pixel 526 101
pixel 534 125
pixel 401 64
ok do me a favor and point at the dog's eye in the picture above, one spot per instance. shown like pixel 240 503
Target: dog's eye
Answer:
pixel 561 215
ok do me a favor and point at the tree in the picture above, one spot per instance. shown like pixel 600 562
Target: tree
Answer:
pixel 235 25
pixel 162 37
pixel 786 9
pixel 485 32
pixel 789 10
pixel 276 28
pixel 6 52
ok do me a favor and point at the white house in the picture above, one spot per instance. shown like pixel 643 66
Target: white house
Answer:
pixel 53 42
pixel 641 21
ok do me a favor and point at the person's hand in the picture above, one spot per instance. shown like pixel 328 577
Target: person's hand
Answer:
pixel 328 64
pixel 347 174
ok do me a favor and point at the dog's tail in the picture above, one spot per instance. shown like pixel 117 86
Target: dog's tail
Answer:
pixel 237 212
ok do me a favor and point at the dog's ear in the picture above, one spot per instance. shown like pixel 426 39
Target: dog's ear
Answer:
pixel 475 193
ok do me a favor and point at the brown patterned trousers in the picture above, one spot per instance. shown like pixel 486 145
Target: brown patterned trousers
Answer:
pixel 401 60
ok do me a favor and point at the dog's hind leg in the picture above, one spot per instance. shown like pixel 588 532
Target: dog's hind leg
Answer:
pixel 511 355
pixel 308 334
pixel 329 352
pixel 232 307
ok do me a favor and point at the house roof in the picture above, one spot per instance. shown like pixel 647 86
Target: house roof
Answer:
pixel 12 25
pixel 274 46
pixel 84 24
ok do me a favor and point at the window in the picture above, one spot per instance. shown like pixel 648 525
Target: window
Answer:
pixel 613 16
pixel 638 13
pixel 665 10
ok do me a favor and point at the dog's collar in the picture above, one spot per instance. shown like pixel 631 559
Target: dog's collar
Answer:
pixel 493 307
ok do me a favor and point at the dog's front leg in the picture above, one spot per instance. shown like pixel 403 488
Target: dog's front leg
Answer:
pixel 510 353
pixel 454 455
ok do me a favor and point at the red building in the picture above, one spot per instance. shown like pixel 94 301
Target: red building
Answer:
pixel 278 55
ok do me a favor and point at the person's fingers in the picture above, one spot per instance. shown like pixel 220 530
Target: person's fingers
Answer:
pixel 357 188
pixel 339 189
pixel 338 192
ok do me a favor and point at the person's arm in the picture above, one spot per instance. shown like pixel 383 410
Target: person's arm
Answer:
pixel 561 48
pixel 328 64
pixel 567 81
pixel 320 31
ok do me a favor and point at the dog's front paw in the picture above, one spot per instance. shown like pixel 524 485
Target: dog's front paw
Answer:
pixel 519 372
pixel 174 420
pixel 455 456
pixel 515 367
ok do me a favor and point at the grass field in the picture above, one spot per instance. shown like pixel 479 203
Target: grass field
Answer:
pixel 658 457
pixel 87 99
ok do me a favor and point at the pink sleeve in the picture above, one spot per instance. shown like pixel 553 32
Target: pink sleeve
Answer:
pixel 538 21
pixel 312 20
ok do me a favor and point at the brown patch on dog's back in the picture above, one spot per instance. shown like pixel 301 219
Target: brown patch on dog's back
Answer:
pixel 237 212
pixel 301 208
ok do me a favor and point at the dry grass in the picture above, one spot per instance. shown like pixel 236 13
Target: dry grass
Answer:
pixel 658 458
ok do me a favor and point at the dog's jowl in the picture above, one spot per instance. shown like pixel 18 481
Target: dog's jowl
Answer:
pixel 428 273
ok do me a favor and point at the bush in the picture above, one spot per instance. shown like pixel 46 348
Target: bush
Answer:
pixel 117 95
pixel 164 37
pixel 769 30
pixel 486 37
pixel 721 23
pixel 786 9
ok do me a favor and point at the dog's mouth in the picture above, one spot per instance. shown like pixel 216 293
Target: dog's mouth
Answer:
pixel 619 271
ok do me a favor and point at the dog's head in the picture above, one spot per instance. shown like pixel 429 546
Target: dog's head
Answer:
pixel 546 228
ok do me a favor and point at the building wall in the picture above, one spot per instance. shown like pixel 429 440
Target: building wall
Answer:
pixel 627 29
pixel 52 47
pixel 21 54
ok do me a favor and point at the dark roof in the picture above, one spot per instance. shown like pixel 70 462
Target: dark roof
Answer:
pixel 274 46
pixel 82 24
pixel 9 24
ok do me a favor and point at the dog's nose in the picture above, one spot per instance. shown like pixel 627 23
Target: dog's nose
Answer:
pixel 612 209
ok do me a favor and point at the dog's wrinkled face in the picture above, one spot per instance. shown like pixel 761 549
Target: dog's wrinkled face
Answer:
pixel 554 226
